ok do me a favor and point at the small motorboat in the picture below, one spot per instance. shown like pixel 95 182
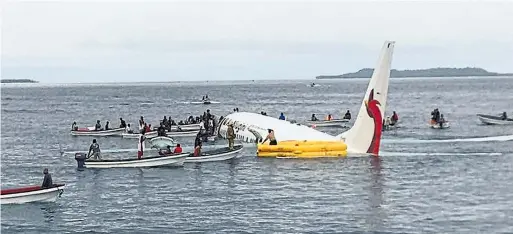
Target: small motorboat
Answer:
pixel 31 194
pixel 161 142
pixel 327 123
pixel 185 127
pixel 435 125
pixel 89 131
pixel 175 160
pixel 215 155
pixel 205 102
pixel 494 120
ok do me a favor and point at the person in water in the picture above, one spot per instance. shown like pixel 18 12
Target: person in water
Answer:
pixel 74 126
pixel 178 149
pixel 394 119
pixel 282 116
pixel 230 135
pixel 314 118
pixel 270 137
pixel 107 126
pixel 95 149
pixel 47 180
pixel 347 115
pixel 122 124
pixel 98 126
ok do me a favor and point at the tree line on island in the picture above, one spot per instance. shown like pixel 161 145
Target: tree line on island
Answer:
pixel 18 81
pixel 431 72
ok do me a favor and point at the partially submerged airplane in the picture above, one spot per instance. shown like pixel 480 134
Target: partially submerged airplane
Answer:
pixel 362 138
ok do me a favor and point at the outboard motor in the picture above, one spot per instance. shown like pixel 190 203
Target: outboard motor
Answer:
pixel 80 157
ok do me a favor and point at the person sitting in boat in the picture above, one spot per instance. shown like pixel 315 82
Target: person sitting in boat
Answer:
pixel 441 120
pixel 95 149
pixel 165 151
pixel 107 126
pixel 270 137
pixel 203 98
pixel 178 149
pixel 74 126
pixel 329 117
pixel 388 121
pixel 206 98
pixel 147 127
pixel 394 119
pixel 122 124
pixel 47 180
pixel 98 126
pixel 161 131
pixel 504 115
pixel 314 118
pixel 347 115
pixel 128 129
pixel 282 116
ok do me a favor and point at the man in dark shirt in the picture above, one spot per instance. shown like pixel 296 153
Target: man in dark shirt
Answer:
pixel 47 181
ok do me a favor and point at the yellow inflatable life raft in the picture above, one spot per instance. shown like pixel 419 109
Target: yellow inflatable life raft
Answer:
pixel 303 149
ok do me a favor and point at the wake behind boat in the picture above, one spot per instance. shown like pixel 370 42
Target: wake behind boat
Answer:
pixel 31 194
pixel 215 155
pixel 153 161
pixel 495 120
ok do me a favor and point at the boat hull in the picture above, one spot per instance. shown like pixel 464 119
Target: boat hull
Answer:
pixel 186 127
pixel 438 126
pixel 184 133
pixel 136 135
pixel 112 132
pixel 155 161
pixel 161 142
pixel 39 195
pixel 494 120
pixel 216 155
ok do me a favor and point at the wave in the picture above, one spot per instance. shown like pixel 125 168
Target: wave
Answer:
pixel 474 139
pixel 439 154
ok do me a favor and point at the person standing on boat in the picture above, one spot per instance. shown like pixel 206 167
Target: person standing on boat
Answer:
pixel 282 116
pixel 140 146
pixel 504 115
pixel 395 119
pixel 197 145
pixel 347 115
pixel 270 137
pixel 122 124
pixel 98 126
pixel 141 123
pixel 95 149
pixel 47 180
pixel 230 135
pixel 74 126
pixel 107 126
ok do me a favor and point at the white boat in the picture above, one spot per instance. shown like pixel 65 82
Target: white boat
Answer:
pixel 205 102
pixel 444 125
pixel 327 123
pixel 221 154
pixel 153 161
pixel 184 133
pixel 161 142
pixel 91 132
pixel 148 135
pixel 31 194
pixel 185 127
pixel 495 120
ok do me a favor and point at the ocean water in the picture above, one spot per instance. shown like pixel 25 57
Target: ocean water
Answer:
pixel 456 180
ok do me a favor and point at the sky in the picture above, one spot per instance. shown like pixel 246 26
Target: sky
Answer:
pixel 130 41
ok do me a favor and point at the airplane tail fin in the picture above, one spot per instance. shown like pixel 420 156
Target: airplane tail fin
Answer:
pixel 365 135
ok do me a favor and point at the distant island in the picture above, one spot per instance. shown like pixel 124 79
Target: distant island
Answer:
pixel 431 72
pixel 18 81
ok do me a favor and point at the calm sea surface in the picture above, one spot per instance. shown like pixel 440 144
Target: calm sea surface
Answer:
pixel 457 180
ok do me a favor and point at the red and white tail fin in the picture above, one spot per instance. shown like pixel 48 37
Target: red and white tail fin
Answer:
pixel 365 135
